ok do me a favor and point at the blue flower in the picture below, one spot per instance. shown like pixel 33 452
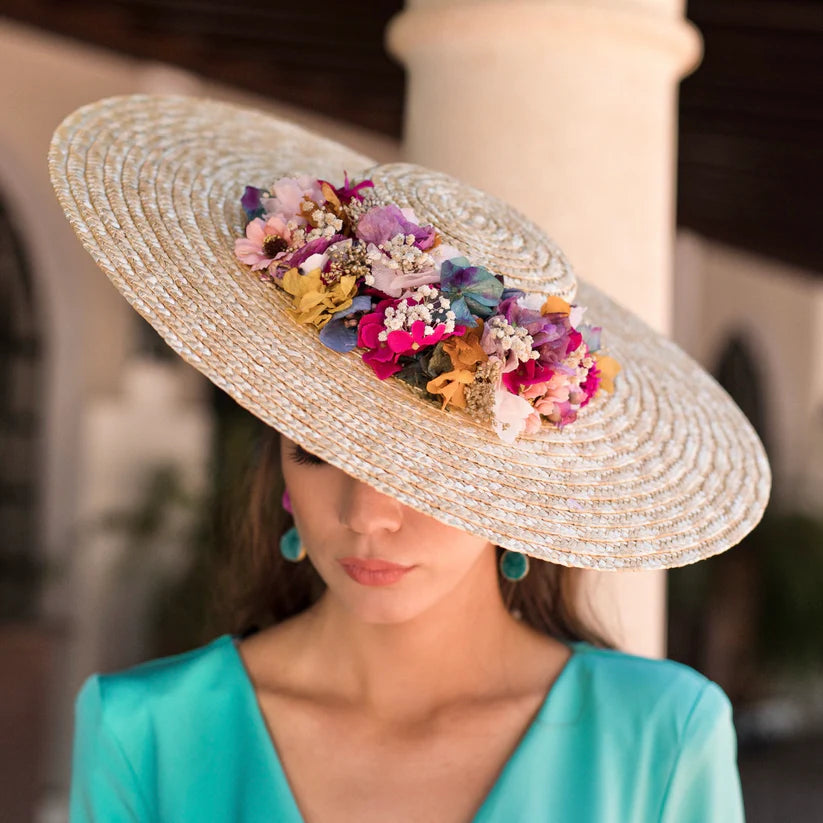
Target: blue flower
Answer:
pixel 340 333
pixel 473 290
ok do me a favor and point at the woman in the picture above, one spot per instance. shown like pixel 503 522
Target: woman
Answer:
pixel 408 681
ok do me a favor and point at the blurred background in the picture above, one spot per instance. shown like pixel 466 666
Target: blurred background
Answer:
pixel 672 150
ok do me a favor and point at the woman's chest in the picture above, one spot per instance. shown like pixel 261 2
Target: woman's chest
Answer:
pixel 341 767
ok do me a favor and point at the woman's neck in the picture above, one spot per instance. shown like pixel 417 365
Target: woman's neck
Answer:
pixel 465 646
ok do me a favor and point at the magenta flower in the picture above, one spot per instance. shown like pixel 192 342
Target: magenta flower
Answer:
pixel 346 193
pixel 575 339
pixel 378 355
pixel 526 374
pixel 590 385
pixel 265 242
pixel 372 324
pixel 382 361
pixel 401 341
pixel 383 355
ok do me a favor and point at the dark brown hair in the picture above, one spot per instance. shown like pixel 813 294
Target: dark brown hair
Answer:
pixel 258 587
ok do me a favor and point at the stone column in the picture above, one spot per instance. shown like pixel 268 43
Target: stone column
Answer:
pixel 568 111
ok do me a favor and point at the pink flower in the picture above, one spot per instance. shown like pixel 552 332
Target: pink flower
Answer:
pixel 511 412
pixel 287 195
pixel 545 395
pixel 394 283
pixel 533 422
pixel 265 241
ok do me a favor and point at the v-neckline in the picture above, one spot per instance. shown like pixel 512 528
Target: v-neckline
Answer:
pixel 282 785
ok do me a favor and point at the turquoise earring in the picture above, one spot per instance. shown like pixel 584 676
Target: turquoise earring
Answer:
pixel 514 566
pixel 290 546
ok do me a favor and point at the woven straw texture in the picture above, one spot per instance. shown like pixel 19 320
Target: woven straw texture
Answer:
pixel 664 472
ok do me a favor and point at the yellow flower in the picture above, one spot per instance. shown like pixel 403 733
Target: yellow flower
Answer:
pixel 465 354
pixel 608 368
pixel 314 301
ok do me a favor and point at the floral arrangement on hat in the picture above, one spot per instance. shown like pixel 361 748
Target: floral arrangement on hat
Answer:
pixel 366 274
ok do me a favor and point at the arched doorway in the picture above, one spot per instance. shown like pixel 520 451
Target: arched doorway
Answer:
pixel 21 405
pixel 714 604
pixel 738 372
pixel 24 649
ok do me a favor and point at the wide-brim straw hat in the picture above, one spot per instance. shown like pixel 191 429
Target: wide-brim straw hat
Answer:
pixel 664 471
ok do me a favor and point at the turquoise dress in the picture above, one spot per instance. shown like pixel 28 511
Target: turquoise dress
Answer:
pixel 619 739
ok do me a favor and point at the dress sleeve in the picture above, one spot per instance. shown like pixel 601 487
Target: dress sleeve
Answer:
pixel 704 786
pixel 104 786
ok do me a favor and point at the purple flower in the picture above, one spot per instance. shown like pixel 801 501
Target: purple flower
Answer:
pixel 550 333
pixel 380 224
pixel 250 201
pixel 316 246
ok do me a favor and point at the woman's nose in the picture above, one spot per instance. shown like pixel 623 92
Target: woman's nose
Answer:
pixel 366 510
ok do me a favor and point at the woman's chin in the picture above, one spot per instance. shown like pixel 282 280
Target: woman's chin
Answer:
pixel 384 606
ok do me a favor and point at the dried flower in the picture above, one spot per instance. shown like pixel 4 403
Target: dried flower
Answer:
pixel 314 301
pixel 466 354
pixel 442 325
pixel 265 242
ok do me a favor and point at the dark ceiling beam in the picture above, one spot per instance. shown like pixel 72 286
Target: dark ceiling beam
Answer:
pixel 750 126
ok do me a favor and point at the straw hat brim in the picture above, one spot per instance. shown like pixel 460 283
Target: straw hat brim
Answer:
pixel 663 472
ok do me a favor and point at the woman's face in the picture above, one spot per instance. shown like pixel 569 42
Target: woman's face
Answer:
pixel 381 559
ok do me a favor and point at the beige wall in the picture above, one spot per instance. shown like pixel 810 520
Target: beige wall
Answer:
pixel 721 291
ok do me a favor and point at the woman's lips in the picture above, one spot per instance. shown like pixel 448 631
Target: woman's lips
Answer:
pixel 371 572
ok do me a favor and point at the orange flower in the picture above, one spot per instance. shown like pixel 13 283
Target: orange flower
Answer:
pixel 555 305
pixel 466 354
pixel 608 368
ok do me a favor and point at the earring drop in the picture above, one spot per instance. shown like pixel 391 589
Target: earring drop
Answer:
pixel 514 566
pixel 290 546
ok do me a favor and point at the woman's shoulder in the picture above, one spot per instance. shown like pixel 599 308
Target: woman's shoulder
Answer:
pixel 628 668
pixel 666 721
pixel 164 685
pixel 664 694
pixel 633 687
